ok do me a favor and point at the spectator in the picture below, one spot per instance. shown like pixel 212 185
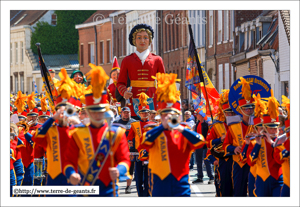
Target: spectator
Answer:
pixel 188 119
pixel 202 128
pixel 126 120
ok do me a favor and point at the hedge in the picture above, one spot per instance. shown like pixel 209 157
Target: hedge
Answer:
pixel 62 38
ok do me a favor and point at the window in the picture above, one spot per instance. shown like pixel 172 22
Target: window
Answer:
pixel 22 53
pixel 117 44
pixel 249 34
pixel 53 19
pixel 173 36
pixel 245 43
pixel 220 77
pixel 22 82
pixel 219 26
pixel 226 75
pixel 92 53
pixel 226 25
pixel 108 51
pixel 211 28
pixel 231 25
pixel 254 39
pixel 232 72
pixel 11 83
pixel 122 42
pixel 16 84
pixel 11 52
pixel 16 44
pixel 81 54
pixel 101 53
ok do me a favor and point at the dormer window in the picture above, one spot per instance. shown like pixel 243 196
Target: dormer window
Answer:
pixel 53 19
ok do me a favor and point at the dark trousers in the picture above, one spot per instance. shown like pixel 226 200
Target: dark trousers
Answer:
pixel 240 179
pixel 268 188
pixel 141 179
pixel 200 154
pixel 192 159
pixel 225 170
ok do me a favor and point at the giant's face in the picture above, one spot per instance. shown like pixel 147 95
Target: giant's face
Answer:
pixel 142 41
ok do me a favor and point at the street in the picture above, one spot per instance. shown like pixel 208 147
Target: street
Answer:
pixel 203 189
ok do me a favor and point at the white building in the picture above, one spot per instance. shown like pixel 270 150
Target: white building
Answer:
pixel 284 50
pixel 22 61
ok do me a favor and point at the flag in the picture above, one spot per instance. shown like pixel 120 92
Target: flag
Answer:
pixel 35 88
pixel 198 82
pixel 51 92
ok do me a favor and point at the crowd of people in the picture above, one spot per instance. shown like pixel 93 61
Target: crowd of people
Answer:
pixel 137 127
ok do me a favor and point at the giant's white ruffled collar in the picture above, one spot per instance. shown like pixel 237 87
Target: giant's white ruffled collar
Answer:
pixel 143 55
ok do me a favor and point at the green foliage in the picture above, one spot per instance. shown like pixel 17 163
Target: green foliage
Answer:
pixel 62 38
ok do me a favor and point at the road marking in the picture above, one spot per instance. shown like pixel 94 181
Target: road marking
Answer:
pixel 196 190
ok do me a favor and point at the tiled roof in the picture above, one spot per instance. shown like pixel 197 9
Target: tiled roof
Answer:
pixel 60 61
pixel 285 16
pixel 25 17
pixel 99 14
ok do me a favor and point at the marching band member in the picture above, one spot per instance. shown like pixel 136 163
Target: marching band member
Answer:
pixel 215 141
pixel 135 135
pixel 93 144
pixel 282 152
pixel 234 140
pixel 170 149
pixel 126 120
pixel 54 138
pixel 13 145
pixel 259 111
pixel 139 66
pixel 39 151
pixel 269 179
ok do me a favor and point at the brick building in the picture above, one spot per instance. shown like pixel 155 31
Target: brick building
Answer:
pixel 95 41
pixel 220 44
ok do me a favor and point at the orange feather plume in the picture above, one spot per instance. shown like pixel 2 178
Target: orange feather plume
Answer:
pixel 143 99
pixel 273 105
pixel 166 87
pixel 44 106
pixel 224 96
pixel 246 90
pixel 66 85
pixel 220 114
pixel 20 102
pixel 98 79
pixel 260 106
pixel 286 105
pixel 30 101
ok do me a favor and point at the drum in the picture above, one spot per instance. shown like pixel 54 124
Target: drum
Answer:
pixel 38 168
pixel 134 156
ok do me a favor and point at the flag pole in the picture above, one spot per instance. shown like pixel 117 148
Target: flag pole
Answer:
pixel 199 68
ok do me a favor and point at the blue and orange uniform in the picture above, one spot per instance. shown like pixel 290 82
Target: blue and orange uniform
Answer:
pixel 82 148
pixel 18 164
pixel 282 156
pixel 169 155
pixel 27 157
pixel 245 157
pixel 54 140
pixel 269 179
pixel 240 170
pixel 224 169
pixel 13 179
pixel 141 170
